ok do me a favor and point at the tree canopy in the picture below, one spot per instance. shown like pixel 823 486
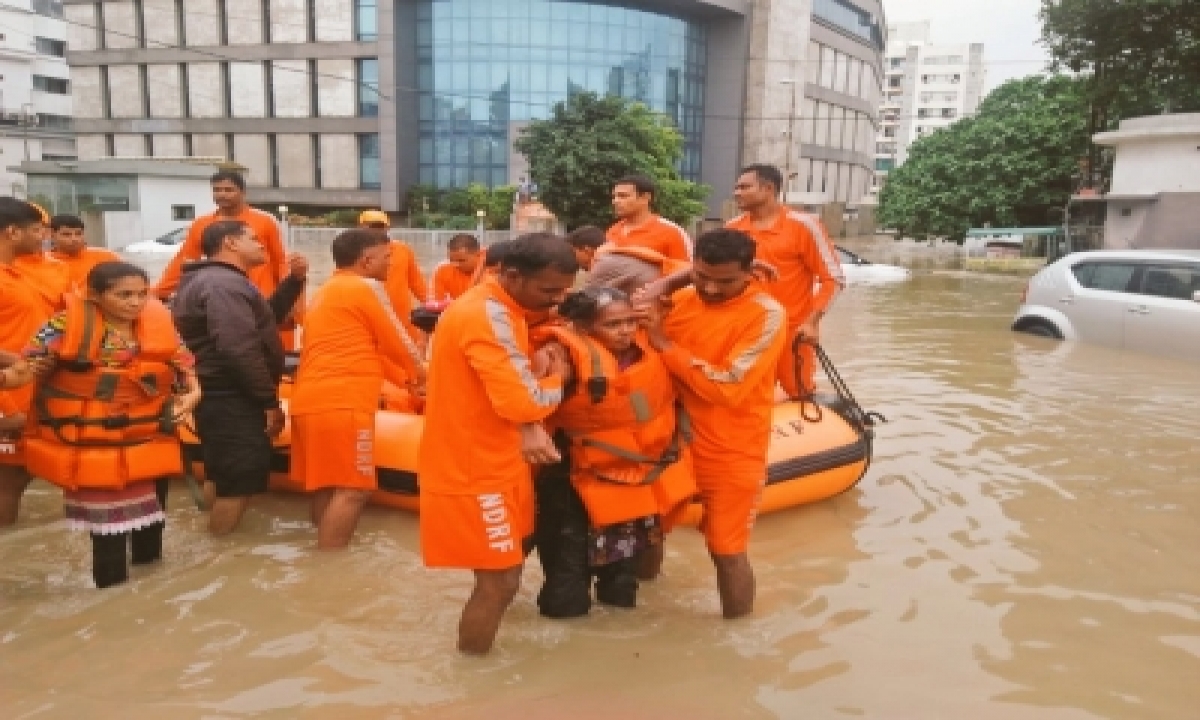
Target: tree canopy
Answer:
pixel 1141 57
pixel 588 142
pixel 1009 165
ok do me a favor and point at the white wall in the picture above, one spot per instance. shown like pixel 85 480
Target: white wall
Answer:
pixel 1170 164
pixel 156 195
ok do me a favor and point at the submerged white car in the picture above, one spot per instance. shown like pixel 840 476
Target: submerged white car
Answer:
pixel 861 271
pixel 168 243
pixel 1144 300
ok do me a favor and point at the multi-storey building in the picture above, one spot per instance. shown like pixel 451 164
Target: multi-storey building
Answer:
pixel 927 87
pixel 35 88
pixel 350 102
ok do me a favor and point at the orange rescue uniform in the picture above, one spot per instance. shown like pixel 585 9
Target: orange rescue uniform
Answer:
pixel 405 281
pixel 476 490
pixel 78 266
pixel 450 282
pixel 350 346
pixel 660 235
pixel 810 277
pixel 32 289
pixel 723 359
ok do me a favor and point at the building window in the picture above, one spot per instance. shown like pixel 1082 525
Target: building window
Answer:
pixel 885 164
pixel 843 15
pixel 183 212
pixel 368 162
pixel 367 71
pixel 57 86
pixel 53 48
pixel 366 20
pixel 485 67
pixel 49 8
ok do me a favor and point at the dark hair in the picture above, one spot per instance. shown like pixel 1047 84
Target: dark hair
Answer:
pixel 228 176
pixel 463 241
pixel 350 244
pixel 215 235
pixel 494 255
pixel 17 212
pixel 588 236
pixel 106 274
pixel 59 222
pixel 536 252
pixel 584 306
pixel 721 246
pixel 643 184
pixel 765 173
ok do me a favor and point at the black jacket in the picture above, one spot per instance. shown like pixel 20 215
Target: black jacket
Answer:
pixel 233 330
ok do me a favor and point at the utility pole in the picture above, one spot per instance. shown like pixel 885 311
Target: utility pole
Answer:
pixel 791 133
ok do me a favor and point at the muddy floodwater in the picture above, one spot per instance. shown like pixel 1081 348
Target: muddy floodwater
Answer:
pixel 1024 546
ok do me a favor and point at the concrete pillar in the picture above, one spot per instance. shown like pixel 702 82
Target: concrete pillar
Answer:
pixel 779 33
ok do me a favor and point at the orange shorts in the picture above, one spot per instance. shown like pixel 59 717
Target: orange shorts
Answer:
pixel 485 531
pixel 334 449
pixel 730 509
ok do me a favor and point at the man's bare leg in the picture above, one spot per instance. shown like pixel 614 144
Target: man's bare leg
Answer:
pixel 735 583
pixel 13 481
pixel 209 491
pixel 320 503
pixel 226 513
pixel 494 592
pixel 650 563
pixel 340 518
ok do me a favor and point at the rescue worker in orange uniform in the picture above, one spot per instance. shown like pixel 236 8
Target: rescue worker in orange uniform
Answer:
pixel 477 506
pixel 638 224
pixel 452 277
pixel 626 470
pixel 809 273
pixel 404 279
pixel 32 288
pixel 68 246
pixel 493 255
pixel 721 340
pixel 229 194
pixel 350 346
pixel 114 356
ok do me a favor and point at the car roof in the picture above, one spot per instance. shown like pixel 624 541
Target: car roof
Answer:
pixel 1142 254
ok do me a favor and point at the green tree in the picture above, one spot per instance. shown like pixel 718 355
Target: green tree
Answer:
pixel 1011 165
pixel 1140 57
pixel 589 141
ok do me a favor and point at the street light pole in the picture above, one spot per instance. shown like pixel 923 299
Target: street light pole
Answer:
pixel 791 133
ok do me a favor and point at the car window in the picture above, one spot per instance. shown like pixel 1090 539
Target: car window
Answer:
pixel 1171 282
pixel 1110 276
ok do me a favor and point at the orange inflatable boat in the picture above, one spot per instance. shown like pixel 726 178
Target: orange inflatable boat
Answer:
pixel 818 449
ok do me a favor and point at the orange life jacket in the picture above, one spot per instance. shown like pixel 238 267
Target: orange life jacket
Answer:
pixel 628 449
pixel 104 428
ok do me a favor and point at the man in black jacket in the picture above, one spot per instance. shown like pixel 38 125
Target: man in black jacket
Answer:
pixel 233 332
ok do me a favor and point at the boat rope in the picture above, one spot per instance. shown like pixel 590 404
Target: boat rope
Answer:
pixel 861 419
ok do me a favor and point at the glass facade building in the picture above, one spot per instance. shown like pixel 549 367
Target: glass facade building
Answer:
pixel 487 67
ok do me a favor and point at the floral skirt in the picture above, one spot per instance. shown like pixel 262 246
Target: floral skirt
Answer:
pixel 112 512
pixel 623 540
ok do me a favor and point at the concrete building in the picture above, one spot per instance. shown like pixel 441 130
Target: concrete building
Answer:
pixel 1154 198
pixel 350 102
pixel 35 87
pixel 123 201
pixel 927 87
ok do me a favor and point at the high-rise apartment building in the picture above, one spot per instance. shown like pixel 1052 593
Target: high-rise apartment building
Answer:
pixel 35 88
pixel 351 102
pixel 927 87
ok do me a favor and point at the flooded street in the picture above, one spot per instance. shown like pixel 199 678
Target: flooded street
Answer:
pixel 1024 546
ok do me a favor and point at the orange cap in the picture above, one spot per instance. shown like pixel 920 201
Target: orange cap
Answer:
pixel 374 216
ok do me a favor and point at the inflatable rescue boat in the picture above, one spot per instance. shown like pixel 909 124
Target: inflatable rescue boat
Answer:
pixel 819 448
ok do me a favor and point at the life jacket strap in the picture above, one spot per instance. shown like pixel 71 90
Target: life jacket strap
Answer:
pixel 670 455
